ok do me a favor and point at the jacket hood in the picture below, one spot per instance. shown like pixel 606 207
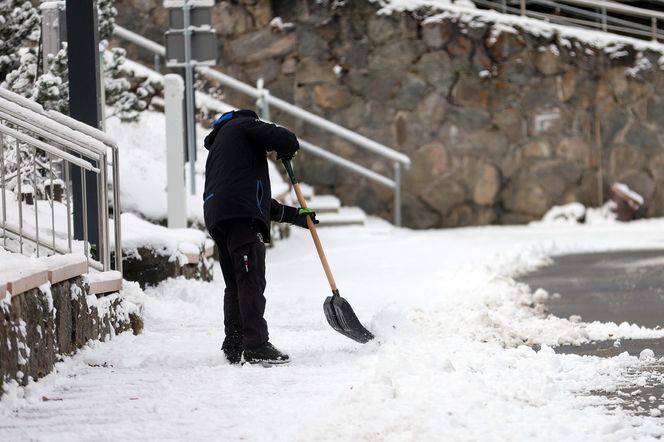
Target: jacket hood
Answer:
pixel 225 118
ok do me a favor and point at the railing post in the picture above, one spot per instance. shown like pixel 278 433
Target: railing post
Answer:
pixel 263 103
pixel 34 197
pixel 175 187
pixel 157 63
pixel 4 194
pixel 654 29
pixel 504 4
pixel 397 194
pixel 523 7
pixel 604 27
pixel 19 197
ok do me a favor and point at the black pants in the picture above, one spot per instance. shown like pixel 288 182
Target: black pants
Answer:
pixel 242 259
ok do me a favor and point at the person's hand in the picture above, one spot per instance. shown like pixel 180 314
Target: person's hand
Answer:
pixel 287 157
pixel 301 217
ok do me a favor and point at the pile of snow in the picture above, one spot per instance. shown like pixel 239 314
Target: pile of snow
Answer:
pixel 175 243
pixel 578 213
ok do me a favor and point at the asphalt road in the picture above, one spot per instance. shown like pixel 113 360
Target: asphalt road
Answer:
pixel 613 287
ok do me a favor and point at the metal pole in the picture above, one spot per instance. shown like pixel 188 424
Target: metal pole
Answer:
pixel 69 214
pixel 654 29
pixel 86 244
pixel 504 3
pixel 50 172
pixel 523 7
pixel 189 87
pixel 397 193
pixel 34 197
pixel 117 211
pixel 604 19
pixel 20 198
pixel 4 195
pixel 175 179
pixel 263 101
pixel 103 254
pixel 157 60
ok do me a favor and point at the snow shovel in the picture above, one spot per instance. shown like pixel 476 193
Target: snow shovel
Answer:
pixel 337 310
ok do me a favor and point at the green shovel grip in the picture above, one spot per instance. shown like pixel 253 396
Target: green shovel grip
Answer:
pixel 289 169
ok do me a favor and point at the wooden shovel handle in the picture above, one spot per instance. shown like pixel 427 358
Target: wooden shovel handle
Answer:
pixel 314 235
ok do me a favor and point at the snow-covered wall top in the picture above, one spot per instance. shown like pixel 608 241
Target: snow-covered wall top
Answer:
pixel 465 11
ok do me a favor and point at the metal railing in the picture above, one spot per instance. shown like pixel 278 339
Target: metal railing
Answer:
pixel 39 148
pixel 265 100
pixel 593 14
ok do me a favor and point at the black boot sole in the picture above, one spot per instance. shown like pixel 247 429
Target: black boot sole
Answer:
pixel 265 363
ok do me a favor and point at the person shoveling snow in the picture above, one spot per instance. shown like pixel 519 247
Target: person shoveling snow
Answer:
pixel 238 209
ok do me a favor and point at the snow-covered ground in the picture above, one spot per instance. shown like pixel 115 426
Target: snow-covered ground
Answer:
pixel 451 359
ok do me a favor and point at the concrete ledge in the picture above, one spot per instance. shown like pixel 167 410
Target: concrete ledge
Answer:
pixel 60 270
pixel 103 282
pixel 23 281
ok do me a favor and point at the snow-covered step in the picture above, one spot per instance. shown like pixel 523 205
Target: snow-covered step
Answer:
pixel 307 192
pixel 345 217
pixel 62 267
pixel 22 281
pixel 324 204
pixel 104 282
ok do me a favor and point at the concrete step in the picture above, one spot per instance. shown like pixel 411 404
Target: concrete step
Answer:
pixel 324 203
pixel 103 282
pixel 347 216
pixel 61 267
pixel 24 280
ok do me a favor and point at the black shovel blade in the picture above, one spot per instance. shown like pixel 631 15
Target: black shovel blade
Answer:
pixel 342 318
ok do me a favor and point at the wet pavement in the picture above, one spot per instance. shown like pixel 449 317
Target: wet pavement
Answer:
pixel 613 287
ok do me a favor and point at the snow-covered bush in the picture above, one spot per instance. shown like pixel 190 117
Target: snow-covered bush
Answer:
pixel 19 23
pixel 20 64
pixel 21 72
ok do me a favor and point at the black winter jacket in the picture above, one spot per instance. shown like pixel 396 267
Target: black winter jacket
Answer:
pixel 237 182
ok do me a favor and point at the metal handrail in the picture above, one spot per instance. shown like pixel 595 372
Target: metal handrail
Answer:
pixel 602 18
pixel 81 135
pixel 72 143
pixel 265 100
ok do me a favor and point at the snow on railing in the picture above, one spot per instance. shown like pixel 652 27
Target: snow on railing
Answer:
pixel 37 150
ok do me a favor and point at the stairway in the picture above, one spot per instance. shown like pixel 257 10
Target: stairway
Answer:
pixel 329 210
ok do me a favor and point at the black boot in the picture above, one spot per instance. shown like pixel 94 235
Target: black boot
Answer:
pixel 232 348
pixel 265 354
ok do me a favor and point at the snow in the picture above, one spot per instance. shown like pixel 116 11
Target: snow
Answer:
pixel 467 12
pixel 112 275
pixel 625 190
pixel 33 113
pixel 143 168
pixel 13 266
pixel 573 212
pixel 137 233
pixel 452 359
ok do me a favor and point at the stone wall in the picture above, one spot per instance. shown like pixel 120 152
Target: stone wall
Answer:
pixel 37 328
pixel 500 123
pixel 149 267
